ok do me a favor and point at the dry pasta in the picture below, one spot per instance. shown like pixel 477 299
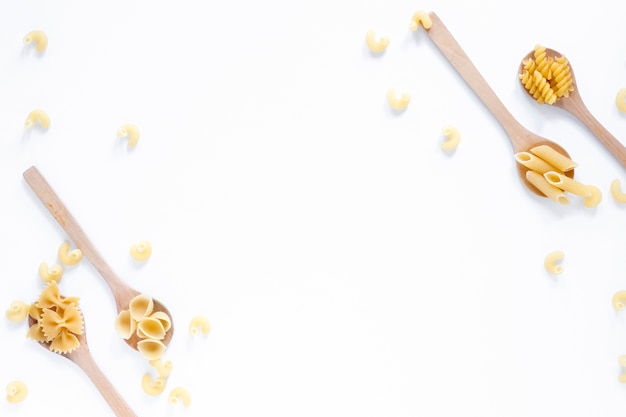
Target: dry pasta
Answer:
pixel 551 262
pixel 376 45
pixel 17 311
pixel 201 323
pixel 552 192
pixel 129 131
pixel 153 387
pixel 37 116
pixel 53 273
pixel 180 393
pixel 39 38
pixel 453 138
pixel 16 392
pixel 554 158
pixel 68 257
pixel 533 162
pixel 151 349
pixel 566 183
pixel 420 17
pixel 150 328
pixel 616 191
pixel 546 78
pixel 619 300
pixel 594 199
pixel 163 368
pixel 125 325
pixel 620 100
pixel 140 307
pixel 398 103
pixel 141 251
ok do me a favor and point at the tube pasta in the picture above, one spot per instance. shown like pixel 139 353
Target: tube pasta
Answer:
pixel 68 257
pixel 620 100
pixel 163 368
pixel 551 262
pixel 566 183
pixel 17 311
pixel 595 197
pixel 16 392
pixel 616 191
pixel 420 17
pixel 201 323
pixel 129 131
pixel 180 393
pixel 39 38
pixel 552 192
pixel 453 138
pixel 398 103
pixel 376 45
pixel 35 116
pixel 533 162
pixel 554 158
pixel 53 273
pixel 619 300
pixel 141 251
pixel 153 387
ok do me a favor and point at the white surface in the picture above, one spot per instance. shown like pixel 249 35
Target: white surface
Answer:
pixel 348 266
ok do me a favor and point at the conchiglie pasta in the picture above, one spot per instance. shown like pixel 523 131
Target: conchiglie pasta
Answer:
pixel 151 349
pixel 141 306
pixel 165 320
pixel 125 325
pixel 150 328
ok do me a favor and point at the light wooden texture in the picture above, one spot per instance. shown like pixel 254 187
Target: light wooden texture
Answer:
pixel 81 356
pixel 521 138
pixel 574 104
pixel 122 293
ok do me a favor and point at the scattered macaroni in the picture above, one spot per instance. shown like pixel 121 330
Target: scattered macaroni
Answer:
pixel 153 387
pixel 141 251
pixel 376 45
pixel 619 300
pixel 35 116
pixel 551 262
pixel 17 311
pixel 39 37
pixel 199 322
pixel 140 307
pixel 533 162
pixel 552 192
pixel 566 183
pixel 616 191
pixel 554 158
pixel 398 103
pixel 620 100
pixel 54 273
pixel 68 257
pixel 163 369
pixel 16 392
pixel 182 394
pixel 453 137
pixel 420 17
pixel 595 197
pixel 129 131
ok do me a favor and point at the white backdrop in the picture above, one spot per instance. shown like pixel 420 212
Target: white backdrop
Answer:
pixel 348 266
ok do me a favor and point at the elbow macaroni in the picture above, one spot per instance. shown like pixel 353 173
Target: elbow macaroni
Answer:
pixel 619 300
pixel 68 257
pixel 420 17
pixel 16 392
pixel 182 394
pixel 39 37
pixel 398 103
pixel 594 198
pixel 163 369
pixel 129 131
pixel 620 100
pixel 35 116
pixel 53 273
pixel 199 322
pixel 551 262
pixel 153 387
pixel 17 311
pixel 376 45
pixel 616 191
pixel 453 138
pixel 141 251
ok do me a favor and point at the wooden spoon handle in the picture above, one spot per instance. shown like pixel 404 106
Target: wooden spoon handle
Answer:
pixel 123 294
pixel 85 361
pixel 450 48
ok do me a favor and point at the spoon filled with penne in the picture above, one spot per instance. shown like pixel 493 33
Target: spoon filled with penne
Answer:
pixel 535 155
pixel 548 78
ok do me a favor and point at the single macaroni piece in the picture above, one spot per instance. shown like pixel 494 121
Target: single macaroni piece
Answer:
pixel 182 394
pixel 533 162
pixel 153 387
pixel 376 45
pixel 39 37
pixel 16 392
pixel 620 100
pixel 17 311
pixel 420 17
pixel 398 103
pixel 129 131
pixel 141 251
pixel 595 197
pixel 552 192
pixel 619 300
pixel 453 138
pixel 616 191
pixel 554 158
pixel 53 273
pixel 35 116
pixel 551 262
pixel 199 322
pixel 163 369
pixel 566 183
pixel 68 257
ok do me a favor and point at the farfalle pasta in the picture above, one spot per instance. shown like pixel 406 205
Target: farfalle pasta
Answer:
pixel 180 394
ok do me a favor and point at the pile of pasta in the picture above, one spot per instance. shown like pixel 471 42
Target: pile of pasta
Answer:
pixel 58 320
pixel 546 171
pixel 546 78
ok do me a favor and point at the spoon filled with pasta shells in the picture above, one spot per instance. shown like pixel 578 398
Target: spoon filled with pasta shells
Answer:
pixel 548 78
pixel 535 155
pixel 143 322
pixel 56 323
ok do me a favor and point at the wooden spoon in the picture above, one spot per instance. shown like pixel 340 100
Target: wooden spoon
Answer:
pixel 122 293
pixel 574 104
pixel 81 356
pixel 521 138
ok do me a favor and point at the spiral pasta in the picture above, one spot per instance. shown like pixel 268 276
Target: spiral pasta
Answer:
pixel 199 323
pixel 546 78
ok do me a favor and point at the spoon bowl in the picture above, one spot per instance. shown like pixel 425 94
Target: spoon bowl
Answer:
pixel 122 292
pixel 574 104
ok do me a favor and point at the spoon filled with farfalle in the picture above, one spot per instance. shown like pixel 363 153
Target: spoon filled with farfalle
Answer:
pixel 56 323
